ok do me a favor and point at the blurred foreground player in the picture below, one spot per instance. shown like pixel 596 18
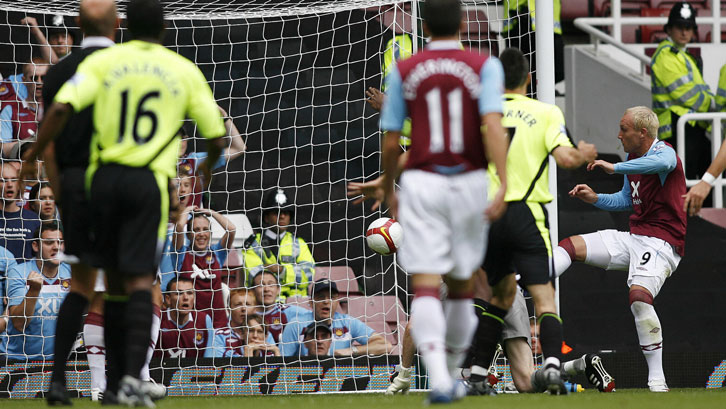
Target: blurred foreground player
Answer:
pixel 449 94
pixel 520 240
pixel 65 164
pixel 141 92
pixel 653 188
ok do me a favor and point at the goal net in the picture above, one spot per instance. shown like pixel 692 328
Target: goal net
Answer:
pixel 291 76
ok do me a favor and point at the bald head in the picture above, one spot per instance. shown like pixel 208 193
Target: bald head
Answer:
pixel 98 17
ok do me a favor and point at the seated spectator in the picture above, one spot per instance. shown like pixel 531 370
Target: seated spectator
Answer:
pixel 279 251
pixel 185 332
pixel 201 261
pixel 248 338
pixel 17 225
pixel 36 290
pixel 181 187
pixel 229 341
pixel 275 314
pixel 42 201
pixel 346 330
pixel 20 107
pixel 316 340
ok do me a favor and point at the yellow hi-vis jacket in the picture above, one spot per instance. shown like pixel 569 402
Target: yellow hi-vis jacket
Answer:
pixel 293 254
pixel 515 8
pixel 398 48
pixel 677 86
pixel 721 91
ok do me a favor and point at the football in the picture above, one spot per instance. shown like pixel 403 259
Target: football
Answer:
pixel 384 236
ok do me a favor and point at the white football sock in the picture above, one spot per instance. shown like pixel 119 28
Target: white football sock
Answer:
pixel 155 325
pixel 429 328
pixel 95 350
pixel 650 335
pixel 574 367
pixel 562 261
pixel 461 323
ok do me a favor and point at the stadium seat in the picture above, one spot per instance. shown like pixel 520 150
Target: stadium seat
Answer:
pixel 242 224
pixel 652 33
pixel 602 8
pixel 342 276
pixel 381 327
pixel 697 4
pixel 386 308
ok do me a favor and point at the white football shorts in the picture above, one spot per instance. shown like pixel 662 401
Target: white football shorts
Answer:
pixel 648 260
pixel 443 222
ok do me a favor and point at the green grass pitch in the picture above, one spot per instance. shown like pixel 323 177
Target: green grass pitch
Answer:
pixel 624 399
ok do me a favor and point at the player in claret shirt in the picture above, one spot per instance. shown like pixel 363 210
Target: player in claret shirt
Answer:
pixel 653 188
pixel 451 95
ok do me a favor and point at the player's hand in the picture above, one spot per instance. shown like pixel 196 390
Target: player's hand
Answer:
pixel 588 151
pixel 222 112
pixel 608 167
pixel 29 171
pixel 497 207
pixel 375 98
pixel 367 190
pixel 695 197
pixel 584 193
pixel 34 281
pixel 30 21
pixel 392 202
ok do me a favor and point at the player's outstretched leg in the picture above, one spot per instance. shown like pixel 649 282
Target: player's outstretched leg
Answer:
pixel 155 391
pixel 650 335
pixel 490 322
pixel 550 337
pixel 429 332
pixel 461 322
pixel 591 366
pixel 402 380
pixel 68 325
pixel 96 353
pixel 587 248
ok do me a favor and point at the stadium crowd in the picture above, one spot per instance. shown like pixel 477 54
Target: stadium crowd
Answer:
pixel 274 306
pixel 199 314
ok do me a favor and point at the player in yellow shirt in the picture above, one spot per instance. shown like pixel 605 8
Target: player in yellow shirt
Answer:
pixel 141 93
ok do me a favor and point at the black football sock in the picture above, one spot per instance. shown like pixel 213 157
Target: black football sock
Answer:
pixel 550 335
pixel 139 314
pixel 115 337
pixel 68 325
pixel 488 333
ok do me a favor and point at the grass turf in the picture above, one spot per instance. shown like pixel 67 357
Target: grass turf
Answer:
pixel 624 399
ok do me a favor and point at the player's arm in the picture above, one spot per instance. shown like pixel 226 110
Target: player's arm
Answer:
pixel 495 139
pixel 618 201
pixel 697 194
pixel 662 160
pixel 393 115
pixel 568 157
pixel 374 189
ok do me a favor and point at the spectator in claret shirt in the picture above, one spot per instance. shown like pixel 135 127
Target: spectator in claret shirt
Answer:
pixel 17 225
pixel 201 261
pixel 36 290
pixel 248 338
pixel 185 332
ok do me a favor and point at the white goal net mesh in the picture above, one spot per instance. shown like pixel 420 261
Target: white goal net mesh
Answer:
pixel 291 76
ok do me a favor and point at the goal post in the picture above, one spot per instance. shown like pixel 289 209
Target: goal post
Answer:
pixel 292 76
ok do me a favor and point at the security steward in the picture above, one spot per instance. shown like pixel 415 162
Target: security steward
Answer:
pixel 278 250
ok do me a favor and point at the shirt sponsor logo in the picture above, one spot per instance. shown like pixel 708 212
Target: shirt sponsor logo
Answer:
pixel 636 196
